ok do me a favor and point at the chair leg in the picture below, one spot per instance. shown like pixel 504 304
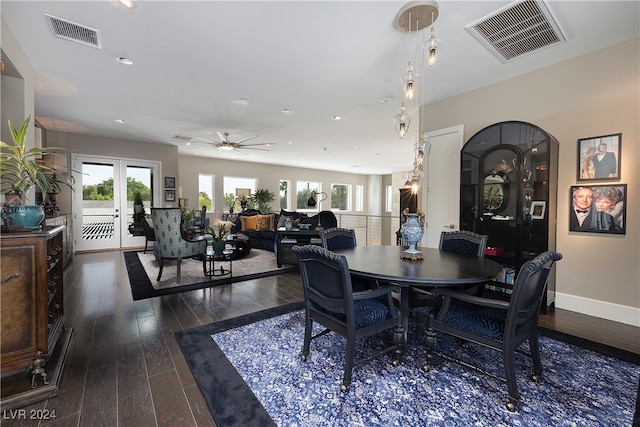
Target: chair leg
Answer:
pixel 146 242
pixel 510 375
pixel 348 362
pixel 308 328
pixel 535 356
pixel 178 262
pixel 161 266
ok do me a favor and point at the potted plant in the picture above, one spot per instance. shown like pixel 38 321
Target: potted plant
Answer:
pixel 262 197
pixel 187 217
pixel 219 238
pixel 230 201
pixel 22 169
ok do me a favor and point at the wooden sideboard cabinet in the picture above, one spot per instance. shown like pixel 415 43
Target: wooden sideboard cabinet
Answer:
pixel 286 240
pixel 31 315
pixel 67 235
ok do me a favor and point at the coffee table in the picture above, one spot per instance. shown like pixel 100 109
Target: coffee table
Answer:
pixel 240 244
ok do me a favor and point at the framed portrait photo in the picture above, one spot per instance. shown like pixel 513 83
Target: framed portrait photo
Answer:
pixel 538 208
pixel 599 158
pixel 170 195
pixel 598 208
pixel 169 182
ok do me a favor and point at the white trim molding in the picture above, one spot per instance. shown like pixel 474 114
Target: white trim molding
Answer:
pixel 605 310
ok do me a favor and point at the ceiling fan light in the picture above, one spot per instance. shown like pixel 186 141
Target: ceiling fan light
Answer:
pixel 226 148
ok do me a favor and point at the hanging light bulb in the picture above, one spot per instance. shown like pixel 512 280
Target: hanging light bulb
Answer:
pixel 431 44
pixel 409 80
pixel 401 122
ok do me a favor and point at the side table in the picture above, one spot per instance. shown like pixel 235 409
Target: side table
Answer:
pixel 209 263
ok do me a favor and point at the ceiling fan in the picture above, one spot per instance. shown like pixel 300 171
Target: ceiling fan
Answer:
pixel 224 144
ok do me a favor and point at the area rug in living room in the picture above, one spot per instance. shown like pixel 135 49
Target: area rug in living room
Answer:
pixel 249 372
pixel 143 271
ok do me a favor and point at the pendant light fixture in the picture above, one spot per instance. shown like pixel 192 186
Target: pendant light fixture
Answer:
pixel 414 17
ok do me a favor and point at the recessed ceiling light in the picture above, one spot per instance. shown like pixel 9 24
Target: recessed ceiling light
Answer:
pixel 129 4
pixel 336 118
pixel 243 101
pixel 290 142
pixel 286 110
pixel 119 121
pixel 385 100
pixel 125 61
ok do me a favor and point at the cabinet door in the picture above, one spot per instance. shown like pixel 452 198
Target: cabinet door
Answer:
pixel 20 329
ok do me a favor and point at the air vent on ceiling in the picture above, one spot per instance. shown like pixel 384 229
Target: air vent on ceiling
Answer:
pixel 516 30
pixel 181 138
pixel 74 32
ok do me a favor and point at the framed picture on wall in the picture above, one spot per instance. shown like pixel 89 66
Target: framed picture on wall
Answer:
pixel 598 208
pixel 599 158
pixel 538 208
pixel 170 195
pixel 169 182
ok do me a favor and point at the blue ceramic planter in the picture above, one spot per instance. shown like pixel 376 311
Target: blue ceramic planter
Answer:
pixel 28 216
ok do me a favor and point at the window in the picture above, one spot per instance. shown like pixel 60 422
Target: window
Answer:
pixel 388 205
pixel 340 197
pixel 284 194
pixel 304 191
pixel 235 189
pixel 359 198
pixel 205 192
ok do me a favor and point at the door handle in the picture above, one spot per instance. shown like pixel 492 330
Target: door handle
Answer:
pixel 451 226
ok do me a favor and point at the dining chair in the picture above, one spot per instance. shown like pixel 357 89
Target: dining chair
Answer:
pixel 200 220
pixel 169 240
pixel 461 242
pixel 497 324
pixel 337 238
pixel 331 302
pixel 149 233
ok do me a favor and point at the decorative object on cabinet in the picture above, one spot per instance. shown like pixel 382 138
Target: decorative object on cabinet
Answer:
pixel 538 209
pixel 599 158
pixel 34 342
pixel 598 208
pixel 169 182
pixel 510 172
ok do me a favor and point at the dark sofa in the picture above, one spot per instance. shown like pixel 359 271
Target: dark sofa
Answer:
pixel 266 239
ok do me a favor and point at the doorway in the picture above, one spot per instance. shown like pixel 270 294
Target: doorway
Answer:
pixel 103 209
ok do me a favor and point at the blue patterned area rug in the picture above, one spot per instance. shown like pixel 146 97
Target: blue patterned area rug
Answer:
pixel 249 372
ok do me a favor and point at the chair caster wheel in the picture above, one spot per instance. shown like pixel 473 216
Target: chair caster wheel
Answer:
pixel 344 388
pixel 303 357
pixel 426 367
pixel 511 405
pixel 535 377
pixel 395 363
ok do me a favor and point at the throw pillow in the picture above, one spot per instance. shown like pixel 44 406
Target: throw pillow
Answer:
pixel 283 218
pixel 265 223
pixel 249 222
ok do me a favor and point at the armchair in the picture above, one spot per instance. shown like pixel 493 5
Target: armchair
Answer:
pixel 496 324
pixel 169 240
pixel 331 302
pixel 149 233
pixel 342 238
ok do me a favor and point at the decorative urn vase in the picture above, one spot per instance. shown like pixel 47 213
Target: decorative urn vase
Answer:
pixel 218 247
pixel 412 230
pixel 27 216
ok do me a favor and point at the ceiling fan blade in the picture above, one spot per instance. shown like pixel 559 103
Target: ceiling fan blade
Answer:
pixel 246 139
pixel 248 147
pixel 253 145
pixel 221 136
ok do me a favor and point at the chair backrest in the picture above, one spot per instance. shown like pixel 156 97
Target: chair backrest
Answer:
pixel 529 288
pixel 327 219
pixel 464 242
pixel 200 217
pixel 326 280
pixel 338 238
pixel 167 227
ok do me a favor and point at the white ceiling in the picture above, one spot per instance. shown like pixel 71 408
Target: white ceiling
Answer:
pixel 194 60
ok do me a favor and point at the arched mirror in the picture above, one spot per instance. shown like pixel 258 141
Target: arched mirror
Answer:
pixel 495 192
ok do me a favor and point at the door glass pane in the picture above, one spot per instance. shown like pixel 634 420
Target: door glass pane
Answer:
pixel 139 182
pixel 97 201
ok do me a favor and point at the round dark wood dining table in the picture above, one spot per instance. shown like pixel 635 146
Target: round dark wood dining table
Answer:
pixel 436 269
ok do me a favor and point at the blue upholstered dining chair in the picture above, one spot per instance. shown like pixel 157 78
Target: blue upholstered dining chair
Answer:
pixel 331 302
pixel 169 240
pixel 496 324
pixel 337 238
pixel 461 242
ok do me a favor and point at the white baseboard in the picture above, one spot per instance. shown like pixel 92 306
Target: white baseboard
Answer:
pixel 604 310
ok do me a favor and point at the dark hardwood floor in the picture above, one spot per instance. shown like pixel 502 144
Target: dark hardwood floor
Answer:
pixel 126 369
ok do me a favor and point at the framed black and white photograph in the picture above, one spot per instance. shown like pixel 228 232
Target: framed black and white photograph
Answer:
pixel 538 208
pixel 598 208
pixel 599 158
pixel 170 195
pixel 169 182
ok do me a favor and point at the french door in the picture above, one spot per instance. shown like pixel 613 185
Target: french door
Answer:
pixel 103 200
